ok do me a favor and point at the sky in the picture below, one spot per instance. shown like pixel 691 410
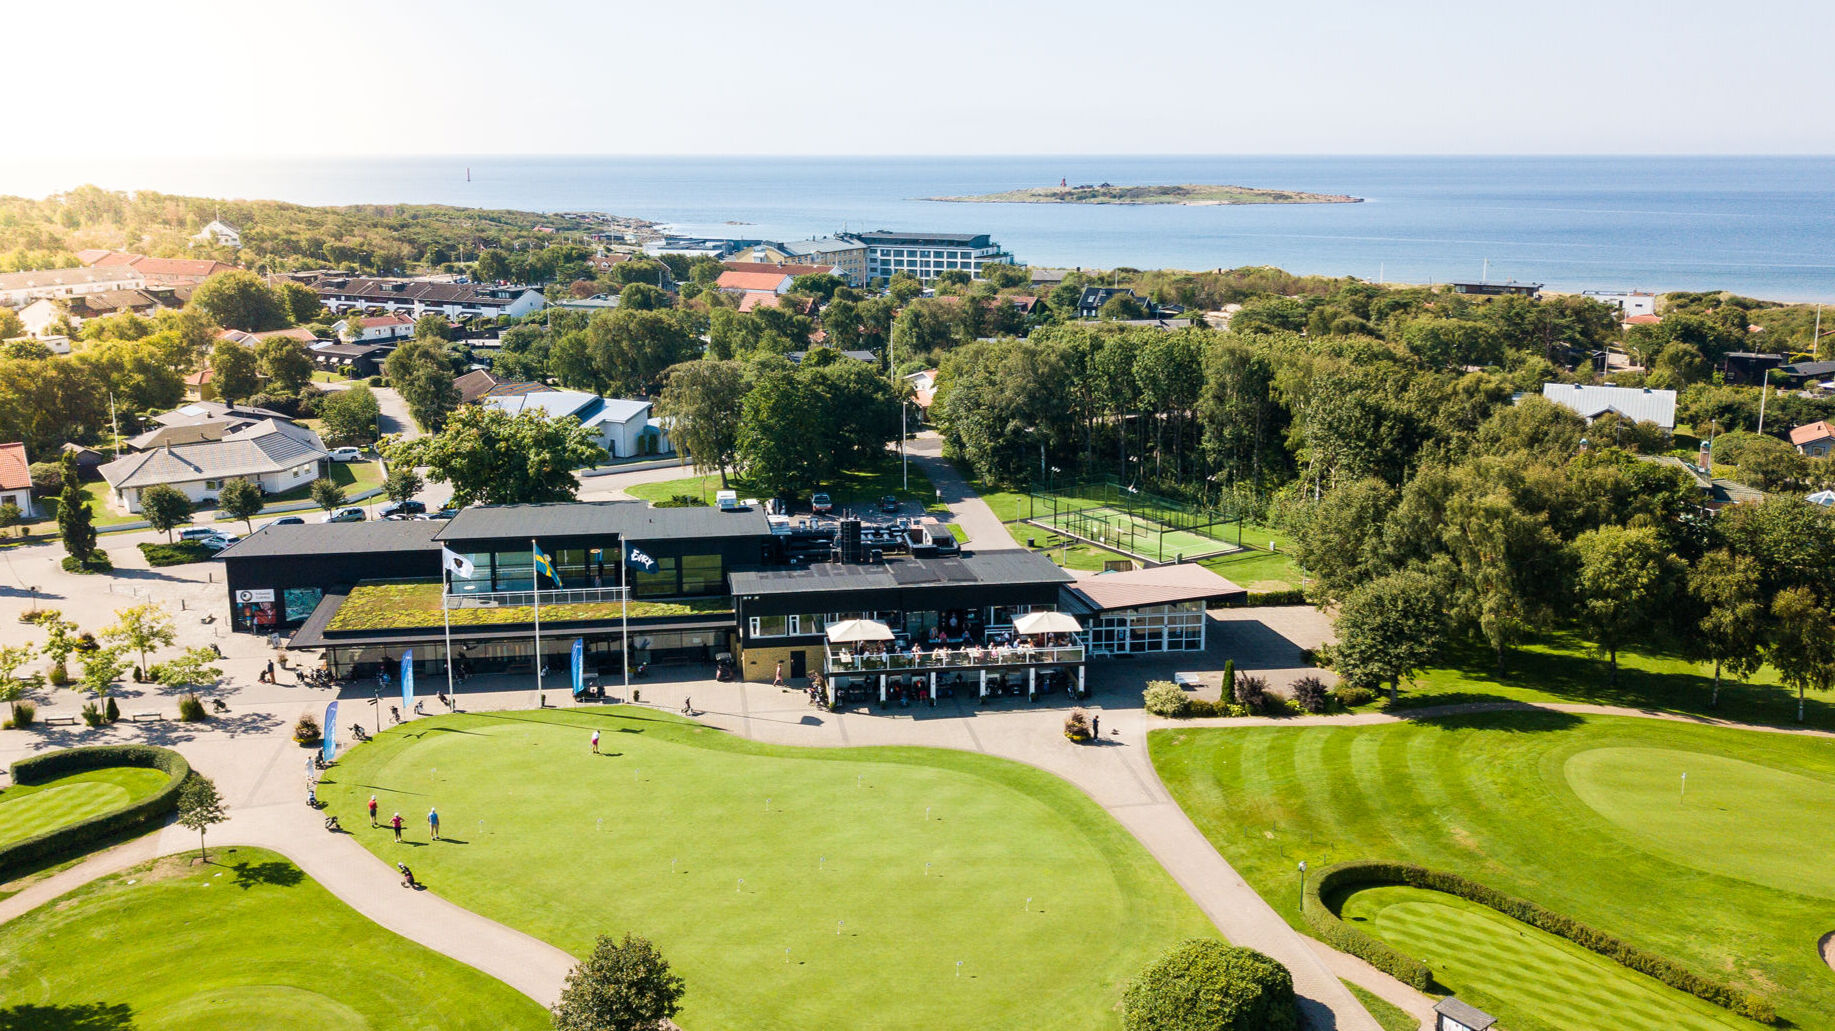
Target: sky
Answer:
pixel 334 77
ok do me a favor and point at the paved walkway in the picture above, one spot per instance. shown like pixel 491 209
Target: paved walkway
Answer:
pixel 966 509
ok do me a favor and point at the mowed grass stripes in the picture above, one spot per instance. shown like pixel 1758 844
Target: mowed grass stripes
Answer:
pixel 30 810
pixel 1583 815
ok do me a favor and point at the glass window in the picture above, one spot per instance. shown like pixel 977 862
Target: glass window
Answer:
pixel 702 574
pixel 770 626
pixel 659 584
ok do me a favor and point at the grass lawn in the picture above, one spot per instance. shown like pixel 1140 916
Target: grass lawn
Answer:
pixel 244 941
pixel 859 489
pixel 1389 1016
pixel 1563 668
pixel 727 852
pixel 354 477
pixel 397 605
pixel 1585 815
pixel 101 514
pixel 1255 567
pixel 1544 982
pixel 26 810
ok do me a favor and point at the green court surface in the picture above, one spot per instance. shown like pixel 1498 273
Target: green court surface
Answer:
pixel 1132 533
pixel 1583 815
pixel 891 888
pixel 1544 982
pixel 242 942
pixel 28 810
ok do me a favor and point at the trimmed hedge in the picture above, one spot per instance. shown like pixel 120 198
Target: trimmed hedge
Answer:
pixel 1345 938
pixel 77 837
pixel 1255 599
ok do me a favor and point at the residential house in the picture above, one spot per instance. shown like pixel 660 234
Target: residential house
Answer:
pixel 276 455
pixel 923 390
pixel 112 302
pixel 1716 492
pixel 158 271
pixel 88 459
pixel 1630 303
pixel 40 316
pixel 847 257
pixel 419 297
pixel 754 282
pixel 927 255
pixel 475 384
pixel 1816 439
pixel 623 428
pixel 1748 368
pixel 18 289
pixel 16 478
pixel 1807 375
pixel 1089 304
pixel 359 361
pixel 208 411
pixel 1640 404
pixel 1047 278
pixel 789 268
pixel 597 302
pixel 220 233
pixel 606 261
pixel 377 328
pixel 1511 288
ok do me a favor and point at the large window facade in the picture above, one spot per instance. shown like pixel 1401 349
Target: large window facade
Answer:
pixel 594 565
pixel 1151 628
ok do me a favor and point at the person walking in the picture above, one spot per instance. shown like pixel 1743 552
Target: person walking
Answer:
pixel 1096 728
pixel 270 671
pixel 777 680
pixel 372 810
pixel 396 823
pixel 595 742
pixel 433 822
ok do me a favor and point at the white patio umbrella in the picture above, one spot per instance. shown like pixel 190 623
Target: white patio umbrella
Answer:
pixel 853 631
pixel 1047 623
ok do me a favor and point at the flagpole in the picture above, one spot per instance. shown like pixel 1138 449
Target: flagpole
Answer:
pixel 624 613
pixel 535 584
pixel 452 692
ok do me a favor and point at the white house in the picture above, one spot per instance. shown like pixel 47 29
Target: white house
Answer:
pixel 419 297
pixel 39 316
pixel 1640 404
pixel 18 289
pixel 16 478
pixel 1630 303
pixel 379 329
pixel 220 233
pixel 278 456
pixel 623 428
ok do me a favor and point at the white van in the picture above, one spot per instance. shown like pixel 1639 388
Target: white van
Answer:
pixel 726 500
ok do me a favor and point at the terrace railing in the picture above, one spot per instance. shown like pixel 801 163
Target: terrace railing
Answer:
pixel 843 661
pixel 526 599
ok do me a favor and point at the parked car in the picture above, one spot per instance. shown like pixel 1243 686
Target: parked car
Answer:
pixel 217 542
pixel 344 515
pixel 821 504
pixel 404 508
pixel 445 513
pixel 284 521
pixel 198 533
pixel 346 454
pixel 888 505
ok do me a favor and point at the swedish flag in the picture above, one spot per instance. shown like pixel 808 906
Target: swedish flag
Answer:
pixel 544 564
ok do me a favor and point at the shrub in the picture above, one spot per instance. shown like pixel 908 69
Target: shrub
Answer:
pixel 1349 695
pixel 175 554
pixel 1197 708
pixel 112 712
pixel 1229 679
pixel 306 731
pixel 1165 698
pixel 1269 598
pixel 682 501
pixel 1334 881
pixel 59 675
pixel 1252 692
pixel 191 709
pixel 1077 726
pixel 1310 694
pixel 97 562
pixel 17 856
pixel 37 616
pixel 24 713
pixel 92 715
pixel 375 381
pixel 1205 985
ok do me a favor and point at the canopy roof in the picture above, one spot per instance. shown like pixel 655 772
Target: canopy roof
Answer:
pixel 851 631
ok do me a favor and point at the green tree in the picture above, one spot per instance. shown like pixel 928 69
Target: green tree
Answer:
pixel 301 302
pixel 1506 562
pixel 101 668
pixel 1388 630
pixel 13 688
pixel 326 493
pixel 1205 985
pixel 349 415
pixel 642 297
pixel 1122 306
pixel 353 326
pixel 1624 580
pixel 165 508
pixel 1802 645
pixel 903 287
pixel 419 371
pixel 75 523
pixel 10 326
pixel 623 985
pixel 492 457
pixel 402 483
pixel 200 807
pixel 286 364
pixel 235 371
pixel 780 445
pixel 142 628
pixel 433 327
pixel 703 401
pixel 240 499
pixel 135 373
pixel 1731 617
pixel 240 300
pixel 10 516
pixel 195 668
pixel 60 640
pixel 1341 540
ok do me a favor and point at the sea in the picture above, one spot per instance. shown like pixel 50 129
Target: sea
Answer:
pixel 1760 226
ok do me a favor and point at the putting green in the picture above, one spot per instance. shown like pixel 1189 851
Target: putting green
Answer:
pixel 27 810
pixel 1711 826
pixel 791 888
pixel 1547 984
pixel 245 941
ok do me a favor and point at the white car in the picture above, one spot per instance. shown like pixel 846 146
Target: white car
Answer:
pixel 346 454
pixel 219 541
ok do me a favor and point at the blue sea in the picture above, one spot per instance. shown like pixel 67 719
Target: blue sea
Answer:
pixel 1762 226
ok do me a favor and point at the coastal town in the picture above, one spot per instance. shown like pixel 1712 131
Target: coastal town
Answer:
pixel 892 632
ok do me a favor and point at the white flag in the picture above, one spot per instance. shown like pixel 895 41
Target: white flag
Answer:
pixel 456 564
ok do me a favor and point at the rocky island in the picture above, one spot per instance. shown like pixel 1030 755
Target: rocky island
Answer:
pixel 1186 193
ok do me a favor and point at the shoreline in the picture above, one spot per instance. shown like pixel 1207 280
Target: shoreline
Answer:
pixel 1174 195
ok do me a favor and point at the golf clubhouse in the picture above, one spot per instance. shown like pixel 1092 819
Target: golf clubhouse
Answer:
pixel 710 584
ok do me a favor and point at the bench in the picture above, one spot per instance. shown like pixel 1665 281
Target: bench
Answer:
pixel 147 715
pixel 1188 681
pixel 58 721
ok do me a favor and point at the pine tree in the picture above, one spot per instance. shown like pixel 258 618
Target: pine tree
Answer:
pixel 75 523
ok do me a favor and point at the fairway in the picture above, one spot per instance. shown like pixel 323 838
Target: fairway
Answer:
pixel 1544 982
pixel 791 888
pixel 28 810
pixel 1530 803
pixel 245 941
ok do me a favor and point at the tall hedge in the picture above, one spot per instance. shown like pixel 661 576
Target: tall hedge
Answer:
pixel 79 836
pixel 1345 938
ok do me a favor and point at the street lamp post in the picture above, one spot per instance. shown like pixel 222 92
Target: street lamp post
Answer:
pixel 1302 885
pixel 1764 394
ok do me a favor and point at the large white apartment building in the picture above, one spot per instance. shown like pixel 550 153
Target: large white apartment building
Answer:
pixel 926 255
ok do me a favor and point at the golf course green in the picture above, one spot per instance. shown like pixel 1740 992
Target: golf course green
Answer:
pixel 244 941
pixel 27 810
pixel 1584 815
pixel 791 888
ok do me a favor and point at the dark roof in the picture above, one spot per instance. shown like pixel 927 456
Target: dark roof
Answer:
pixel 631 519
pixel 1004 566
pixel 315 538
pixel 1470 1016
pixel 886 236
pixel 1809 369
pixel 796 357
pixel 352 350
pixel 386 290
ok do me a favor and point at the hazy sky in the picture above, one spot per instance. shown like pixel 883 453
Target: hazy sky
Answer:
pixel 333 77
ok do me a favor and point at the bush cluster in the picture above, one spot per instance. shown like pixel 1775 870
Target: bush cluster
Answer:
pixel 177 553
pixel 18 856
pixel 92 716
pixel 191 710
pixel 1077 726
pixel 24 714
pixel 307 731
pixel 1345 938
pixel 1165 698
pixel 1206 985
pixel 1268 598
pixel 682 501
pixel 1353 694
pixel 40 615
pixel 1311 695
